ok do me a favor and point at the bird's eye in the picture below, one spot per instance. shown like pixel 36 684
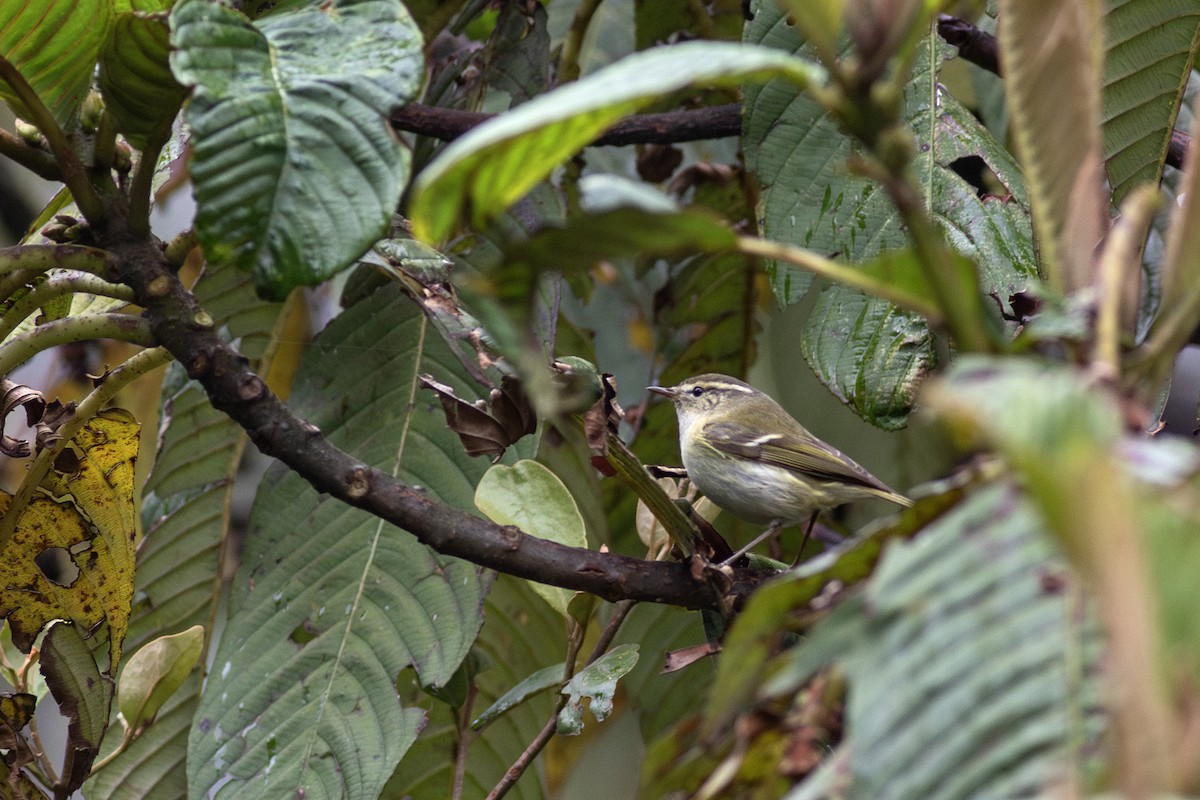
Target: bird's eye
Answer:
pixel 699 390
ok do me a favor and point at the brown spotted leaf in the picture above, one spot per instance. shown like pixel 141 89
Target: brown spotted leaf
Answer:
pixel 71 553
pixel 16 709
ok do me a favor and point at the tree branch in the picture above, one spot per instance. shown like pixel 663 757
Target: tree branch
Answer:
pixel 181 326
pixel 687 125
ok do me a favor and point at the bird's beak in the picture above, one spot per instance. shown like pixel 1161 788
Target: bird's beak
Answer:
pixel 665 391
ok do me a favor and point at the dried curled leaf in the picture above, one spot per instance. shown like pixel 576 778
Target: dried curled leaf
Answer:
pixel 71 552
pixel 13 395
pixel 481 431
pixel 604 416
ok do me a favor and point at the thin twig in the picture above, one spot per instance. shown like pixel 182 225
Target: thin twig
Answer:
pixel 123 327
pixel 57 285
pixel 73 173
pixel 568 62
pixel 668 127
pixel 839 273
pixel 38 162
pixel 464 739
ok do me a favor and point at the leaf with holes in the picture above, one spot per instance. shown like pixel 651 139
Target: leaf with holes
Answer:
pixel 295 169
pixel 331 604
pixel 869 354
pixel 71 552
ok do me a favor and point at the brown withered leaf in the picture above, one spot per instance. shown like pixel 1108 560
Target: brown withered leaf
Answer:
pixel 685 657
pixel 481 431
pixel 604 415
pixel 13 395
pixel 55 417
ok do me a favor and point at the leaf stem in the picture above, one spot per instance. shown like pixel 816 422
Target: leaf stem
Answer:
pixel 1119 261
pixel 839 273
pixel 631 471
pixel 36 161
pixel 41 257
pixel 568 62
pixel 74 175
pixel 960 300
pixel 55 286
pixel 124 327
pixel 518 768
pixel 141 189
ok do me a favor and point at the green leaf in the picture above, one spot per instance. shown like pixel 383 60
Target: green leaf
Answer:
pixel 135 78
pixel 83 695
pixel 754 636
pixel 155 672
pixel 598 683
pixel 54 46
pixel 331 603
pixel 531 497
pixel 1149 51
pixel 520 635
pixel 1052 73
pixel 185 513
pixel 545 678
pixel 981 613
pixel 867 353
pixel 296 171
pixel 494 165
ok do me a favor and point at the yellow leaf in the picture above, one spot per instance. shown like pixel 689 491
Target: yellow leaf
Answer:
pixel 71 555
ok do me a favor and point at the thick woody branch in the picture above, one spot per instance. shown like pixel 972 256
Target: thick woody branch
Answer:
pixel 688 125
pixel 179 325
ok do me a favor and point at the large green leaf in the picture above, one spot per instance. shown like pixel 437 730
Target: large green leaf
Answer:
pixel 139 90
pixel 870 355
pixel 54 46
pixel 185 514
pixel 971 670
pixel 520 635
pixel 295 169
pixel 1150 48
pixel 331 603
pixel 491 167
pixel 1053 57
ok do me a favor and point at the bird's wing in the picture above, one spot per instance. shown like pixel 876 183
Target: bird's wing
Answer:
pixel 808 456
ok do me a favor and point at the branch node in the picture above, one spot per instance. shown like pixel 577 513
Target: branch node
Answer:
pixel 159 287
pixel 512 536
pixel 251 387
pixel 358 483
pixel 198 367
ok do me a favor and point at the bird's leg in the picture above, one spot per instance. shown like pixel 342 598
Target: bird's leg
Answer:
pixel 812 521
pixel 771 530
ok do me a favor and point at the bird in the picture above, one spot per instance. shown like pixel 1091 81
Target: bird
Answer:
pixel 752 458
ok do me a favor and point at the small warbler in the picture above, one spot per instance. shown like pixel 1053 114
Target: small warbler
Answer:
pixel 752 458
